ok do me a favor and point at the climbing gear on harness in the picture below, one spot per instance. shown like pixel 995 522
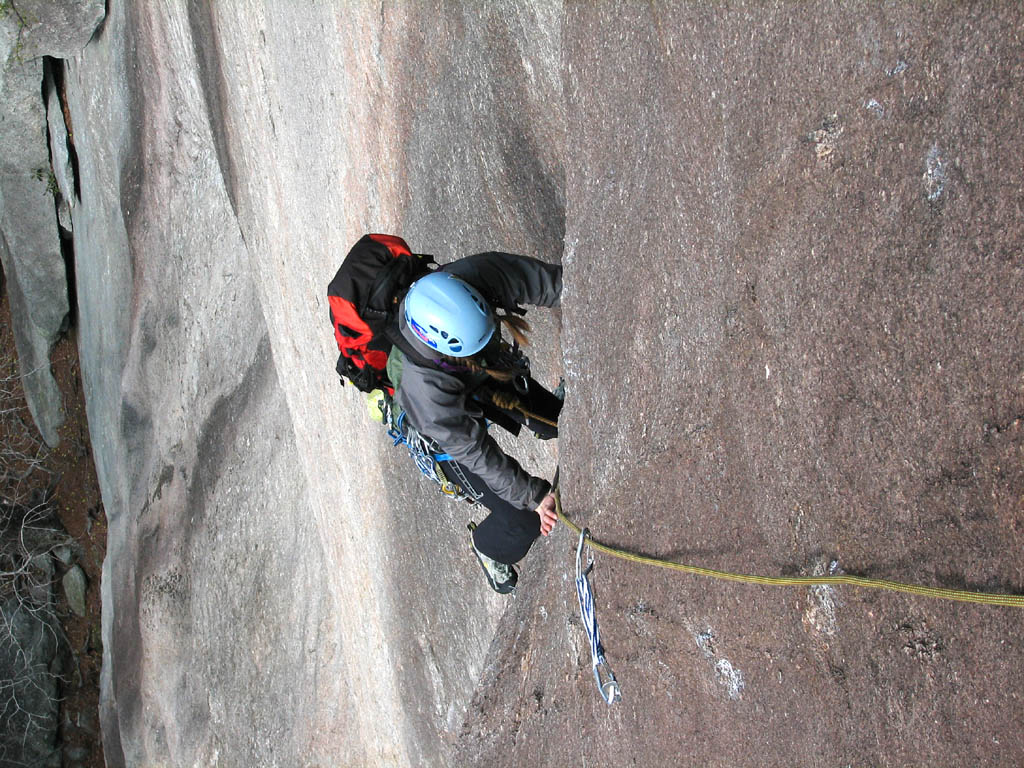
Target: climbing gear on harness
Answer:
pixel 502 578
pixel 608 686
pixel 449 315
pixel 426 453
pixel 985 598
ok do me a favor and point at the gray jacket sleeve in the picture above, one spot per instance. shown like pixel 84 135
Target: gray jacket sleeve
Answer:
pixel 437 404
pixel 511 279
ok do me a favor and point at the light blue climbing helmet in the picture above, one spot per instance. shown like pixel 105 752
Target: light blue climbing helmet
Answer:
pixel 448 315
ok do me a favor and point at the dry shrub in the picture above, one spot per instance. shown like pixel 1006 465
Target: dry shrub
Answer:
pixel 30 632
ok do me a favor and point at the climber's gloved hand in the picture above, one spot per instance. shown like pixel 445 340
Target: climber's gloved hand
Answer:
pixel 547 513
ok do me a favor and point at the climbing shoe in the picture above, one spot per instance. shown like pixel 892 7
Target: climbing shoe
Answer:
pixel 501 577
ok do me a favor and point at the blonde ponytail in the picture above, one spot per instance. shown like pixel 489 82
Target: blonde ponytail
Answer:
pixel 517 326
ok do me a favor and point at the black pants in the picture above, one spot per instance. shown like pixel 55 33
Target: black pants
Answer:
pixel 507 533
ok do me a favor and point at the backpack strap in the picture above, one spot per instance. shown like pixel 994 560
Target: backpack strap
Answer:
pixel 394 334
pixel 391 285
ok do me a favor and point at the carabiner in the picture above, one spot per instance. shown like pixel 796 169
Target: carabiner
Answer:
pixel 609 689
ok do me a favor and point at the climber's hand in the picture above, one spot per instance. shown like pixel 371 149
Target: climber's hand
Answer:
pixel 548 516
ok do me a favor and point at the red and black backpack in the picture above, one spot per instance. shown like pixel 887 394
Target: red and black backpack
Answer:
pixel 364 297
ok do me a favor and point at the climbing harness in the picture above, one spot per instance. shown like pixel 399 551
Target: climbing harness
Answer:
pixel 428 456
pixel 608 686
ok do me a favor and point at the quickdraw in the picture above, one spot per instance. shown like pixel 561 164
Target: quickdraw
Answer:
pixel 606 683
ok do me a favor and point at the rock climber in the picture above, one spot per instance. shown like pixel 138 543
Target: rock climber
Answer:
pixel 467 376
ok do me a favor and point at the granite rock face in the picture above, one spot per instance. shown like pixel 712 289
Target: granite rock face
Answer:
pixel 34 273
pixel 56 28
pixel 791 339
pixel 281 586
pixel 30 247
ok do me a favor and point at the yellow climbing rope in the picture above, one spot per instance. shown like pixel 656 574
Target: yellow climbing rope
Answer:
pixel 986 598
